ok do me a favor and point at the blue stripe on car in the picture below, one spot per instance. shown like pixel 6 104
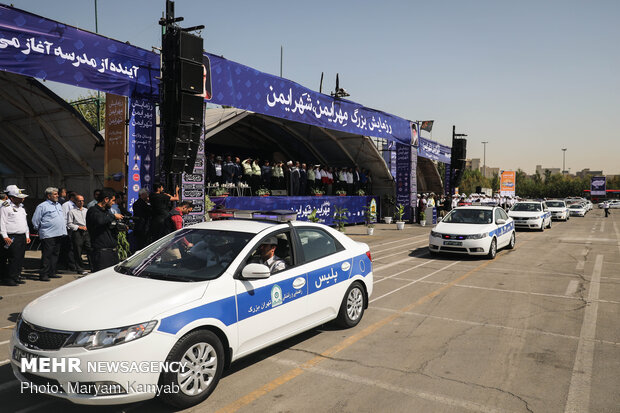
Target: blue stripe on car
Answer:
pixel 259 300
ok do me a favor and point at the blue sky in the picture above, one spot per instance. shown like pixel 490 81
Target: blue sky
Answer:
pixel 530 77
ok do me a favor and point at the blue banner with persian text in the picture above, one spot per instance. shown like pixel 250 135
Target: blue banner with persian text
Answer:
pixel 403 178
pixel 303 205
pixel 233 84
pixel 34 46
pixel 434 150
pixel 140 148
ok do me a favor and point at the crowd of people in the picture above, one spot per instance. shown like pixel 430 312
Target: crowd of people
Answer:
pixel 444 204
pixel 70 231
pixel 294 177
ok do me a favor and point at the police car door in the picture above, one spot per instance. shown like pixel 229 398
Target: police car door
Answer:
pixel 329 266
pixel 270 309
pixel 503 230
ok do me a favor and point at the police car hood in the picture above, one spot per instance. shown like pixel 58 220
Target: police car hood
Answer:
pixel 463 229
pixel 528 214
pixel 556 209
pixel 108 299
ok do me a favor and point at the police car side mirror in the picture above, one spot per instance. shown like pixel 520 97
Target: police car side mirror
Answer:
pixel 500 221
pixel 255 272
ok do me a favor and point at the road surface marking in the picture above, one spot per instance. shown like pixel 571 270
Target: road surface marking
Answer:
pixel 399 273
pixel 413 282
pixel 578 399
pixel 572 287
pixel 352 378
pixel 499 326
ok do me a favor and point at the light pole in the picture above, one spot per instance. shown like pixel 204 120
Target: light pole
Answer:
pixel 484 161
pixel 564 161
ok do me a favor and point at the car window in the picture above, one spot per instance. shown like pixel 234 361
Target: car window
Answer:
pixel 526 207
pixel 187 255
pixel 469 216
pixel 556 204
pixel 316 243
pixel 497 215
pixel 283 251
pixel 503 214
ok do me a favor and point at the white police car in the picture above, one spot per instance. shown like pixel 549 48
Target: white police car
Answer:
pixel 475 230
pixel 191 303
pixel 578 210
pixel 558 209
pixel 531 214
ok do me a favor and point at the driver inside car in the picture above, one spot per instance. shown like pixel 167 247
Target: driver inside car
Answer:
pixel 267 250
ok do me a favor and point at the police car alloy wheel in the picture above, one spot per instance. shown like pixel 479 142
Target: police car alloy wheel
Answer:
pixel 542 225
pixel 203 353
pixel 352 307
pixel 549 226
pixel 493 249
pixel 512 242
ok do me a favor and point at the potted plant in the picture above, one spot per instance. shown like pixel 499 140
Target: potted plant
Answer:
pixel 317 192
pixel 220 191
pixel 368 220
pixel 361 192
pixel 400 211
pixel 341 192
pixel 209 205
pixel 312 217
pixel 340 217
pixel 263 192
pixel 389 202
pixel 423 218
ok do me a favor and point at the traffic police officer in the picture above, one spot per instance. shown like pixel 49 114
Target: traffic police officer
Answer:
pixel 15 234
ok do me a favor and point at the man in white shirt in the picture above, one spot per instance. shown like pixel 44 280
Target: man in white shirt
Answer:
pixel 80 240
pixel 66 260
pixel 15 234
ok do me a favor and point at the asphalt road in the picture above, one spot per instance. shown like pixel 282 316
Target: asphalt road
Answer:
pixel 535 330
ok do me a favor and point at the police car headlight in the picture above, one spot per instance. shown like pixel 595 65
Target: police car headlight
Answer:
pixel 435 234
pixel 477 236
pixel 92 340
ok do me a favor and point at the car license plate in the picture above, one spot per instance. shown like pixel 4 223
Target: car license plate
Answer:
pixel 452 243
pixel 19 354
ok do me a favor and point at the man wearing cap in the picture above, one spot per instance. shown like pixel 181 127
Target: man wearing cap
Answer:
pixel 49 220
pixel 268 257
pixel 15 233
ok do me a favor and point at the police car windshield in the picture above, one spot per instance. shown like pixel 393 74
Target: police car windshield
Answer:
pixel 526 207
pixel 187 255
pixel 469 216
pixel 556 204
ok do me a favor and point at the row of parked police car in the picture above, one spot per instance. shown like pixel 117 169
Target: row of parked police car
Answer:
pixel 483 229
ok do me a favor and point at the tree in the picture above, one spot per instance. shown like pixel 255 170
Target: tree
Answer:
pixel 87 107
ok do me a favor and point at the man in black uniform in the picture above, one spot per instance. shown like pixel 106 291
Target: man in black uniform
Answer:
pixel 102 236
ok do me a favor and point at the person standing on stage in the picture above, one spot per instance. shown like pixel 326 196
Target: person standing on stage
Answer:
pixel 50 222
pixel 15 233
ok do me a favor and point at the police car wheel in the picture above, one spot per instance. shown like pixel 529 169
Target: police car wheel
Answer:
pixel 492 249
pixel 549 226
pixel 542 226
pixel 352 307
pixel 202 353
pixel 513 240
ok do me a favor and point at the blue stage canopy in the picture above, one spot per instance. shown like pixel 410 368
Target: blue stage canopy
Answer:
pixel 240 86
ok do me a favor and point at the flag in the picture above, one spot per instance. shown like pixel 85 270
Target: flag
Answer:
pixel 427 125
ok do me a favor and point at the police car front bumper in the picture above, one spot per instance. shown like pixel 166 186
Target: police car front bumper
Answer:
pixel 466 246
pixel 113 387
pixel 528 222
